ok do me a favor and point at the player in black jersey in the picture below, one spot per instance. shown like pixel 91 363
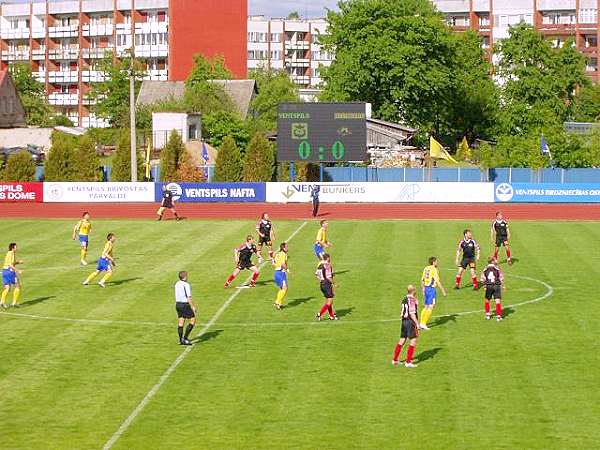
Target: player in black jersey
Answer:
pixel 501 236
pixel 243 260
pixel 470 255
pixel 493 279
pixel 266 234
pixel 167 203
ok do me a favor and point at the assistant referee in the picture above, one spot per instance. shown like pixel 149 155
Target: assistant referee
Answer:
pixel 185 308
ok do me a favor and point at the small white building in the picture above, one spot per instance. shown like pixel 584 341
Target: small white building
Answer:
pixel 188 125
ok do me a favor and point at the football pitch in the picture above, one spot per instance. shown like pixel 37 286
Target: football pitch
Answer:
pixel 81 367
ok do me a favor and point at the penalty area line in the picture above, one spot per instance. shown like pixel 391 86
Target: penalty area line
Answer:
pixel 165 376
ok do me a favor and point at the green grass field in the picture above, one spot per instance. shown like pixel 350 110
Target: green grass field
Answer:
pixel 261 378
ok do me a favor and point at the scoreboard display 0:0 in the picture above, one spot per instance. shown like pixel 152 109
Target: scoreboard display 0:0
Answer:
pixel 322 132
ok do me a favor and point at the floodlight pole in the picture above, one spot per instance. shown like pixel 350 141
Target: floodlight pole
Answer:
pixel 133 136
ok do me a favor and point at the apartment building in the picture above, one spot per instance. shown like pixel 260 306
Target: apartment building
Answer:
pixel 291 45
pixel 64 40
pixel 558 20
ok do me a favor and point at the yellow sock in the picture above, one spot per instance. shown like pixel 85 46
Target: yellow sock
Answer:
pixel 16 295
pixel 83 254
pixel 106 277
pixel 4 295
pixel 91 277
pixel 425 315
pixel 280 296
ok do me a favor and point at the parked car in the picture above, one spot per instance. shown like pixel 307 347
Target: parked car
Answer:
pixel 36 153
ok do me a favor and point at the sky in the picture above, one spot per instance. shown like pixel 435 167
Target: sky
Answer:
pixel 275 8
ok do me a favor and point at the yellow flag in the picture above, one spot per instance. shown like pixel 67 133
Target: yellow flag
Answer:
pixel 464 149
pixel 438 152
pixel 147 163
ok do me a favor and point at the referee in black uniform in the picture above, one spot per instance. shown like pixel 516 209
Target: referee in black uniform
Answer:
pixel 314 193
pixel 167 203
pixel 185 308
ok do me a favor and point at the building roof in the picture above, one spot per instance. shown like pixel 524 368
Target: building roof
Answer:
pixel 241 92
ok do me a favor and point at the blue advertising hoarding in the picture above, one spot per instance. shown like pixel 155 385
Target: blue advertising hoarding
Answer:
pixel 213 192
pixel 547 193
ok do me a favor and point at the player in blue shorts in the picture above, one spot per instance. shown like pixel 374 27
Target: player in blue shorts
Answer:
pixel 83 229
pixel 321 242
pixel 9 276
pixel 105 263
pixel 429 281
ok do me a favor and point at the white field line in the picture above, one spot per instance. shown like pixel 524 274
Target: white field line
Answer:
pixel 165 376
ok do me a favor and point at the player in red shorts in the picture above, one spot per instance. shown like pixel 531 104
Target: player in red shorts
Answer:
pixel 410 328
pixel 493 279
pixel 324 274
pixel 470 255
pixel 243 260
pixel 501 235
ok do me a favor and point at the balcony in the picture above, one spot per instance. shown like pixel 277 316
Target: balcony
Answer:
pixel 123 28
pixel 95 53
pixel 297 62
pixel 16 55
pixel 151 51
pixel 151 27
pixel 92 76
pixel 297 45
pixel 157 75
pixel 301 79
pixel 40 76
pixel 38 33
pixel 60 99
pixel 38 54
pixel 63 53
pixel 98 30
pixel 15 33
pixel 70 76
pixel 64 31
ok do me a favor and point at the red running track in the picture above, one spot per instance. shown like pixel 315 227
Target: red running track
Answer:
pixel 369 211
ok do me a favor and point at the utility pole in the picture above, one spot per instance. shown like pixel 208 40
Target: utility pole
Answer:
pixel 132 127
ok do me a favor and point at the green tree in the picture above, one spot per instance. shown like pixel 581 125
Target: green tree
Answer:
pixel 208 69
pixel 274 87
pixel 19 167
pixel 228 167
pixel 86 160
pixel 60 163
pixel 170 157
pixel 111 96
pixel 258 165
pixel 33 97
pixel 587 104
pixel 396 55
pixel 121 166
pixel 218 125
pixel 294 15
pixel 187 170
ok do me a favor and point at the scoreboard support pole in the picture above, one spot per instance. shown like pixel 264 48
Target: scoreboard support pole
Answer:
pixel 321 172
pixel 292 171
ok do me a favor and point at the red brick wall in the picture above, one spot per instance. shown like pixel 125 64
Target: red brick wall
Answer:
pixel 209 27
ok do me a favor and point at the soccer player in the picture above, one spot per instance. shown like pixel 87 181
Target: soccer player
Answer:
pixel 83 228
pixel 321 242
pixel 243 260
pixel 470 255
pixel 501 235
pixel 314 193
pixel 410 328
pixel 281 269
pixel 266 234
pixel 186 310
pixel 10 276
pixel 167 203
pixel 106 262
pixel 324 274
pixel 429 281
pixel 493 279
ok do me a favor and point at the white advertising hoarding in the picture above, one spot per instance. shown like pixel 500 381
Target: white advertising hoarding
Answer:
pixel 98 192
pixel 383 192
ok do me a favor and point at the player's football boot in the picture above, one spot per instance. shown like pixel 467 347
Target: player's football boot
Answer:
pixel 394 363
pixel 498 318
pixel 318 317
pixel 334 317
pixel 101 284
pixel 226 285
pixel 423 327
pixel 410 365
pixel 488 316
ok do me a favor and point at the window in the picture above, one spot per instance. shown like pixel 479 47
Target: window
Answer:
pixel 316 73
pixel 276 54
pixel 275 37
pixel 192 131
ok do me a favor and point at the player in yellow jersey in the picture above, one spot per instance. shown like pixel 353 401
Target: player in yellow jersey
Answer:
pixel 105 263
pixel 321 242
pixel 83 228
pixel 429 281
pixel 9 276
pixel 280 262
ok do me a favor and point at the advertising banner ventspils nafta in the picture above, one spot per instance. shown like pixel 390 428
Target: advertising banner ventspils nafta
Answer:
pixel 382 192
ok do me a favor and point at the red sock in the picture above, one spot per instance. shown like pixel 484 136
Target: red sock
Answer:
pixel 475 283
pixel 397 352
pixel 323 309
pixel 330 310
pixel 457 282
pixel 508 253
pixel 496 253
pixel 487 308
pixel 230 279
pixel 255 277
pixel 410 353
pixel 498 310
